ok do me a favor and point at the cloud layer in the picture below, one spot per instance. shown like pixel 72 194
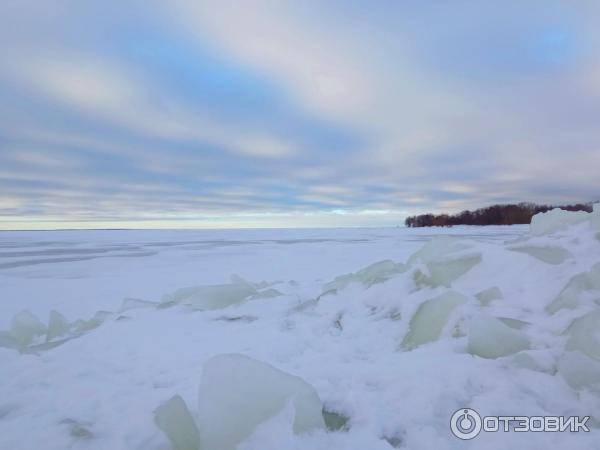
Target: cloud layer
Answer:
pixel 257 113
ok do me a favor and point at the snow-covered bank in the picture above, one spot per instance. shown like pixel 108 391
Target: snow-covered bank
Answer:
pixel 390 330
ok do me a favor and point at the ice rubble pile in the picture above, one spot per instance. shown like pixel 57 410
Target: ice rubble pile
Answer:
pixel 444 260
pixel 455 309
pixel 450 290
pixel 28 334
pixel 237 394
pixel 578 302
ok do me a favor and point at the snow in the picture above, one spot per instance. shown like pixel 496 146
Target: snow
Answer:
pixel 556 219
pixel 298 339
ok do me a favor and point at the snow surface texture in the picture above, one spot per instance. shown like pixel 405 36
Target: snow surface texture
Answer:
pixel 357 339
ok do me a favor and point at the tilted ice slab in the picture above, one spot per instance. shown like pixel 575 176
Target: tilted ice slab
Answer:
pixel 445 271
pixel 136 303
pixel 174 419
pixel 580 364
pixel 443 260
pixel 25 328
pixel 577 285
pixel 491 337
pixel 487 296
pixel 584 335
pixel 58 326
pixel 219 296
pixel 212 297
pixel 548 254
pixel 579 370
pixel 236 395
pixel 431 318
pixel 81 326
pixel 370 275
pixel 266 293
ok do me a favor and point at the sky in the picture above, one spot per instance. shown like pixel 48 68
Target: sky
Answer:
pixel 219 114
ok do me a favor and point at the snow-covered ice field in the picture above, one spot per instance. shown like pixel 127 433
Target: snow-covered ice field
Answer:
pixel 388 331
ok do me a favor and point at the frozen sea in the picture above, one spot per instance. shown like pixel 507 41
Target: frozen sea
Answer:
pixel 80 272
pixel 136 327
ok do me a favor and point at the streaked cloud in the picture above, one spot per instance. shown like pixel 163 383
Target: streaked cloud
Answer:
pixel 256 113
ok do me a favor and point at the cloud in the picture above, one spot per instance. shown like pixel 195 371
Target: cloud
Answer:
pixel 262 146
pixel 269 36
pixel 261 113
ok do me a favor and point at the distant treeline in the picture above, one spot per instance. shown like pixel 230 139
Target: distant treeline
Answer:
pixel 492 215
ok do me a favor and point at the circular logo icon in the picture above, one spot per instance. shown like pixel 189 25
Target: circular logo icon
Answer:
pixel 465 423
